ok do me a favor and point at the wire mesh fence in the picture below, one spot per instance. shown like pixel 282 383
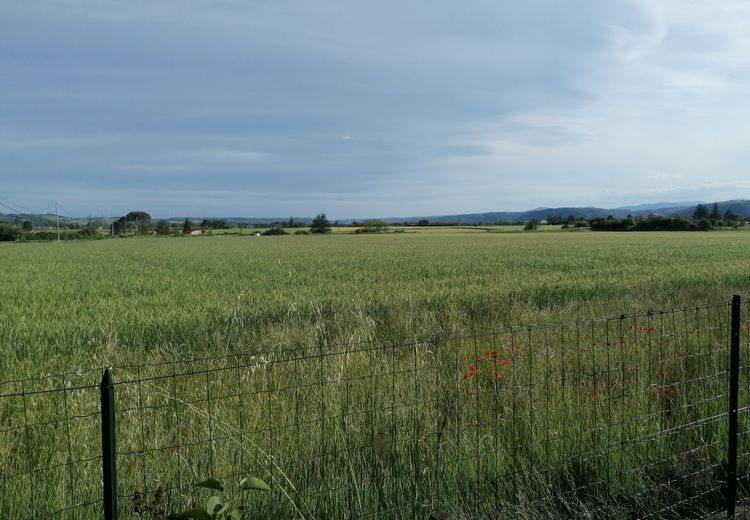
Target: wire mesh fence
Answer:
pixel 623 417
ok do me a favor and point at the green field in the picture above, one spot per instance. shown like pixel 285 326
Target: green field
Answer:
pixel 116 299
pixel 87 304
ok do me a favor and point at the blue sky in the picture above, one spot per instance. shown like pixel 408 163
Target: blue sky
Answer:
pixel 388 108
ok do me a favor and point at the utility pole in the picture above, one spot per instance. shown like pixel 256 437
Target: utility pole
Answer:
pixel 57 219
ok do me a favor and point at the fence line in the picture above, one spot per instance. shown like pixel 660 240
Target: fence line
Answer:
pixel 640 415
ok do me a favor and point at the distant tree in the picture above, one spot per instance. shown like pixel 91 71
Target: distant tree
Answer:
pixel 374 226
pixel 320 224
pixel 700 212
pixel 731 220
pixel 187 226
pixel 163 227
pixel 424 222
pixel 531 225
pixel 120 226
pixel 140 219
pixel 9 233
pixel 215 224
pixel 715 215
pixel 89 231
pixel 27 225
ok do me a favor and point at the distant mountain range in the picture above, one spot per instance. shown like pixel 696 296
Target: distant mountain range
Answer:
pixel 682 209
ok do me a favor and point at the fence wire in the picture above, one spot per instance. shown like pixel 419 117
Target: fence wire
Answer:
pixel 624 417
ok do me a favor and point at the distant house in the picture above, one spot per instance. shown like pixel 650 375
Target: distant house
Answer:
pixel 196 232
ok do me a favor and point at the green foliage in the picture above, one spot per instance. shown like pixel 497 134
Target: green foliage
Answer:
pixel 217 506
pixel 715 215
pixel 531 225
pixel 700 212
pixel 652 223
pixel 141 221
pixel 320 224
pixel 120 226
pixel 42 236
pixel 9 233
pixel 187 226
pixel 274 231
pixel 89 231
pixel 163 227
pixel 374 226
pixel 215 224
pixel 27 225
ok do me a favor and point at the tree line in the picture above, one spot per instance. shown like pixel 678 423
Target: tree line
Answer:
pixel 139 223
pixel 701 220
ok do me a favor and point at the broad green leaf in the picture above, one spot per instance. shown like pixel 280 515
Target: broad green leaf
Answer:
pixel 211 483
pixel 192 514
pixel 236 514
pixel 214 504
pixel 224 509
pixel 254 483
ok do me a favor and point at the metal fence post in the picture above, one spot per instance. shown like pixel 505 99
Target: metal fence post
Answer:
pixel 109 466
pixel 734 387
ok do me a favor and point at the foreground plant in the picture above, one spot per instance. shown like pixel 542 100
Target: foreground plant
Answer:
pixel 217 506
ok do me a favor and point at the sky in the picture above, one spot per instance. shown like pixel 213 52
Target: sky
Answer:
pixel 365 109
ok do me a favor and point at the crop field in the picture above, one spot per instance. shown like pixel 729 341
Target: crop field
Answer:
pixel 254 310
pixel 119 300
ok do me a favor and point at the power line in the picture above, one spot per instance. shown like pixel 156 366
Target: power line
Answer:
pixel 23 209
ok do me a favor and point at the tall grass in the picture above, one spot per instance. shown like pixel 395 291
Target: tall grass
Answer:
pixel 617 418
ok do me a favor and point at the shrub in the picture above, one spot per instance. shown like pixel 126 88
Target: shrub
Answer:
pixel 374 226
pixel 218 507
pixel 9 233
pixel 275 231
